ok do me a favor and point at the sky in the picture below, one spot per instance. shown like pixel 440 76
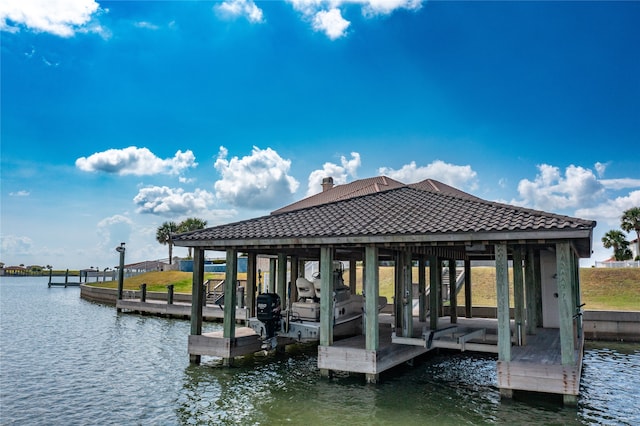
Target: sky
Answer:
pixel 117 116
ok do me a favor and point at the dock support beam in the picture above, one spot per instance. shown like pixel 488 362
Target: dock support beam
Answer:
pixel 295 271
pixel 518 297
pixel 434 291
pixel 197 297
pixel 422 290
pixel 272 276
pixel 251 283
pixel 502 290
pixel 371 292
pixel 230 282
pixel 352 276
pixel 529 287
pixel 467 289
pixel 566 308
pixel 453 294
pixel 326 300
pixel 282 279
pixel 407 294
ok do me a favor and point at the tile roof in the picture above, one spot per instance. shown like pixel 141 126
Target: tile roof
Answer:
pixel 403 211
pixel 342 192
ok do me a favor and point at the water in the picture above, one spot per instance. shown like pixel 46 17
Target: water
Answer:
pixel 64 360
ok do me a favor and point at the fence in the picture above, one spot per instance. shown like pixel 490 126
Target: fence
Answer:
pixel 621 264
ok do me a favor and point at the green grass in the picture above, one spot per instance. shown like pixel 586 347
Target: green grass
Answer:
pixel 602 288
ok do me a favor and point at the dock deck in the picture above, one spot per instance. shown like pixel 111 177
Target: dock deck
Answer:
pixel 176 309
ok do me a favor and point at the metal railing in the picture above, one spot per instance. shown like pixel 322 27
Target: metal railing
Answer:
pixel 619 264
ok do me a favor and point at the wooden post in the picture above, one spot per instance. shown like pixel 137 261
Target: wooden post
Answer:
pixel 440 289
pixel 371 292
pixel 230 283
pixel 565 302
pixel 434 289
pixel 468 305
pixel 530 293
pixel 538 287
pixel 326 300
pixel 282 279
pixel 326 296
pixel 422 290
pixel 453 294
pixel 397 292
pixel 252 263
pixel 272 276
pixel 518 297
pixel 352 276
pixel 295 271
pixel 566 309
pixel 196 297
pixel 407 296
pixel 502 290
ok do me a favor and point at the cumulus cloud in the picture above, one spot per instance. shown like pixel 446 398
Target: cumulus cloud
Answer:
pixel 610 211
pixel 21 193
pixel 331 23
pixel 461 177
pixel 257 181
pixel 171 202
pixel 339 173
pixel 136 161
pixel 13 245
pixel 551 190
pixel 233 9
pixel 327 15
pixel 60 17
pixel 113 230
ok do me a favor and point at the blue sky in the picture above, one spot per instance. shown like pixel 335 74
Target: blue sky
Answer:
pixel 117 116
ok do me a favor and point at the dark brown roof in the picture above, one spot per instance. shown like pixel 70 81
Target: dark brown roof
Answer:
pixel 343 192
pixel 401 215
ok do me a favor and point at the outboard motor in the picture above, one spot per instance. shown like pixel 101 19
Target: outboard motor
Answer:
pixel 268 313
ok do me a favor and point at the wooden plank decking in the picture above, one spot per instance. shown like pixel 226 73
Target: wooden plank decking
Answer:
pixel 538 367
pixel 176 309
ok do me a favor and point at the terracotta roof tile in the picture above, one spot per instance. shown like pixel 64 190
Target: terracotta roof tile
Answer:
pixel 401 211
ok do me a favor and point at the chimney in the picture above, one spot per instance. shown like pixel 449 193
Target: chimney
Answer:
pixel 327 184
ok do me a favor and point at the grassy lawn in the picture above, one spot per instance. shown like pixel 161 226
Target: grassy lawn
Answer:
pixel 602 288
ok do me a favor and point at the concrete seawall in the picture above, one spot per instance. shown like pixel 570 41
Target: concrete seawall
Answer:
pixel 109 296
pixel 597 325
pixel 612 325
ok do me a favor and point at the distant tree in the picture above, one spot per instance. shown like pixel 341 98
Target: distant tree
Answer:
pixel 617 240
pixel 191 224
pixel 163 236
pixel 630 221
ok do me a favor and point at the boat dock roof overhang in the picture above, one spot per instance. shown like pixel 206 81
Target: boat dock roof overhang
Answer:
pixel 404 218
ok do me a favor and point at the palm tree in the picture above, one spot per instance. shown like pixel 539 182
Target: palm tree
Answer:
pixel 191 224
pixel 163 235
pixel 618 241
pixel 631 222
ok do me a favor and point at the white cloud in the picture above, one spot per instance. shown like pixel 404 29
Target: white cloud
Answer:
pixel 21 193
pixel 331 23
pixel 258 181
pixel 620 183
pixel 340 174
pixel 461 177
pixel 13 245
pixel 233 9
pixel 552 191
pixel 171 202
pixel 601 168
pixel 611 211
pixel 327 15
pixel 113 230
pixel 385 7
pixel 136 161
pixel 60 17
pixel 146 25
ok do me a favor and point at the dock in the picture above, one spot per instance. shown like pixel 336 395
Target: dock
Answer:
pixel 176 309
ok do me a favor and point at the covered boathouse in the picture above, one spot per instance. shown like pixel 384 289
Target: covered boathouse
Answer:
pixel 539 343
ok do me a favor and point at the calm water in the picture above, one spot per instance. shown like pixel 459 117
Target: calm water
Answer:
pixel 68 361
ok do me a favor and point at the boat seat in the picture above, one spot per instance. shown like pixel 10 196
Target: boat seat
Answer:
pixel 305 288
